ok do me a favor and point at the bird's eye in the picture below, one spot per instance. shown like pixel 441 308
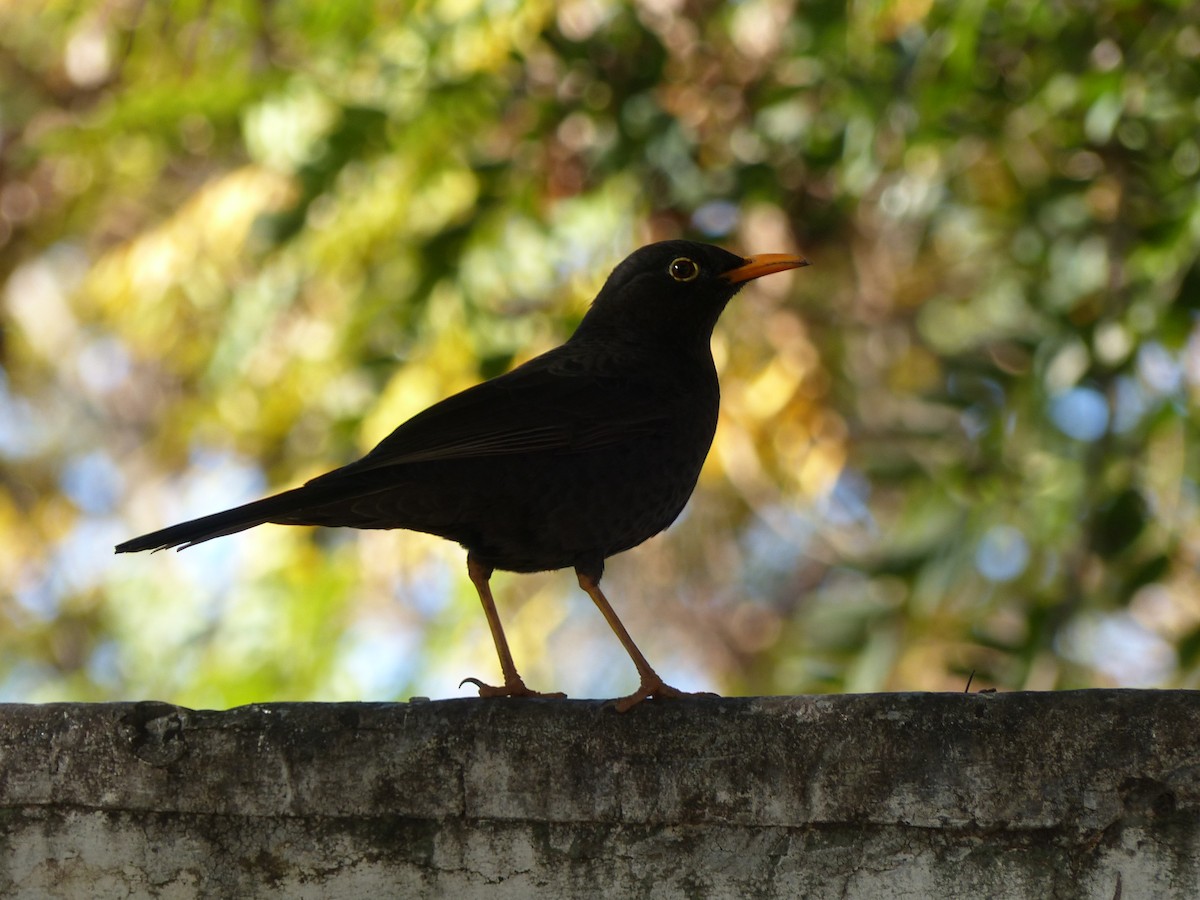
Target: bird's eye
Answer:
pixel 683 269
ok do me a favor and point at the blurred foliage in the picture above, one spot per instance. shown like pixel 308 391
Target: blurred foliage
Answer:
pixel 241 241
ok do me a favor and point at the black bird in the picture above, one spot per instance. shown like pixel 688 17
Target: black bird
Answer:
pixel 579 454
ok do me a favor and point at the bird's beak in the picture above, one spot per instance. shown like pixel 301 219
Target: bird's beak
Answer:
pixel 764 264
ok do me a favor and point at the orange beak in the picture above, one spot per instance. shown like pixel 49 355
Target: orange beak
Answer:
pixel 763 264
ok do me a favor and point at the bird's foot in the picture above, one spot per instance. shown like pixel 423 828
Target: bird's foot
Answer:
pixel 654 688
pixel 512 688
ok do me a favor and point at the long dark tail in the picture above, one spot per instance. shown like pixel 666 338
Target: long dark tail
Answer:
pixel 285 507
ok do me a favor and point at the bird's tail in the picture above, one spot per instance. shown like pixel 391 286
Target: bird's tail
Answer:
pixel 285 507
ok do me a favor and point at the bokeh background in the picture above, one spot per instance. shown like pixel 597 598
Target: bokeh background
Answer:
pixel 240 241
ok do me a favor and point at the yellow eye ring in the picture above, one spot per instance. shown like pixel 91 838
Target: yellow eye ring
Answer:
pixel 683 269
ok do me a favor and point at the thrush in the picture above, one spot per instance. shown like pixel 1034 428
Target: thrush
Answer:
pixel 575 456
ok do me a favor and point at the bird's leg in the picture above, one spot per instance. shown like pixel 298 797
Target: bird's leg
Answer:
pixel 652 684
pixel 513 686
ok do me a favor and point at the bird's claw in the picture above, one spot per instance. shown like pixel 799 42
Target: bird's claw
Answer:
pixel 515 688
pixel 654 688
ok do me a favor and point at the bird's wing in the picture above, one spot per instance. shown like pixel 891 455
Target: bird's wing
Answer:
pixel 535 408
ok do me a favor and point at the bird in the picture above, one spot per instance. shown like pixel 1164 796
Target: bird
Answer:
pixel 575 456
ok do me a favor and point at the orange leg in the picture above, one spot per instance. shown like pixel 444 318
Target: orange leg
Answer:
pixel 651 684
pixel 513 685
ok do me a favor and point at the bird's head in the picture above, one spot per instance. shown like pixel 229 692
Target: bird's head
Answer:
pixel 674 292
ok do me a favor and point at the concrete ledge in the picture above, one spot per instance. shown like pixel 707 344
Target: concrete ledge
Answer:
pixel 1074 794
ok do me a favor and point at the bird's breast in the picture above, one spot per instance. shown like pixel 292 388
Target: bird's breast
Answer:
pixel 554 510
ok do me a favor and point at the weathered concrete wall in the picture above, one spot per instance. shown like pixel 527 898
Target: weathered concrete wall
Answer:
pixel 1080 794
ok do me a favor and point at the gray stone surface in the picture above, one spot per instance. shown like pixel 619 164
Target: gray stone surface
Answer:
pixel 1074 794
